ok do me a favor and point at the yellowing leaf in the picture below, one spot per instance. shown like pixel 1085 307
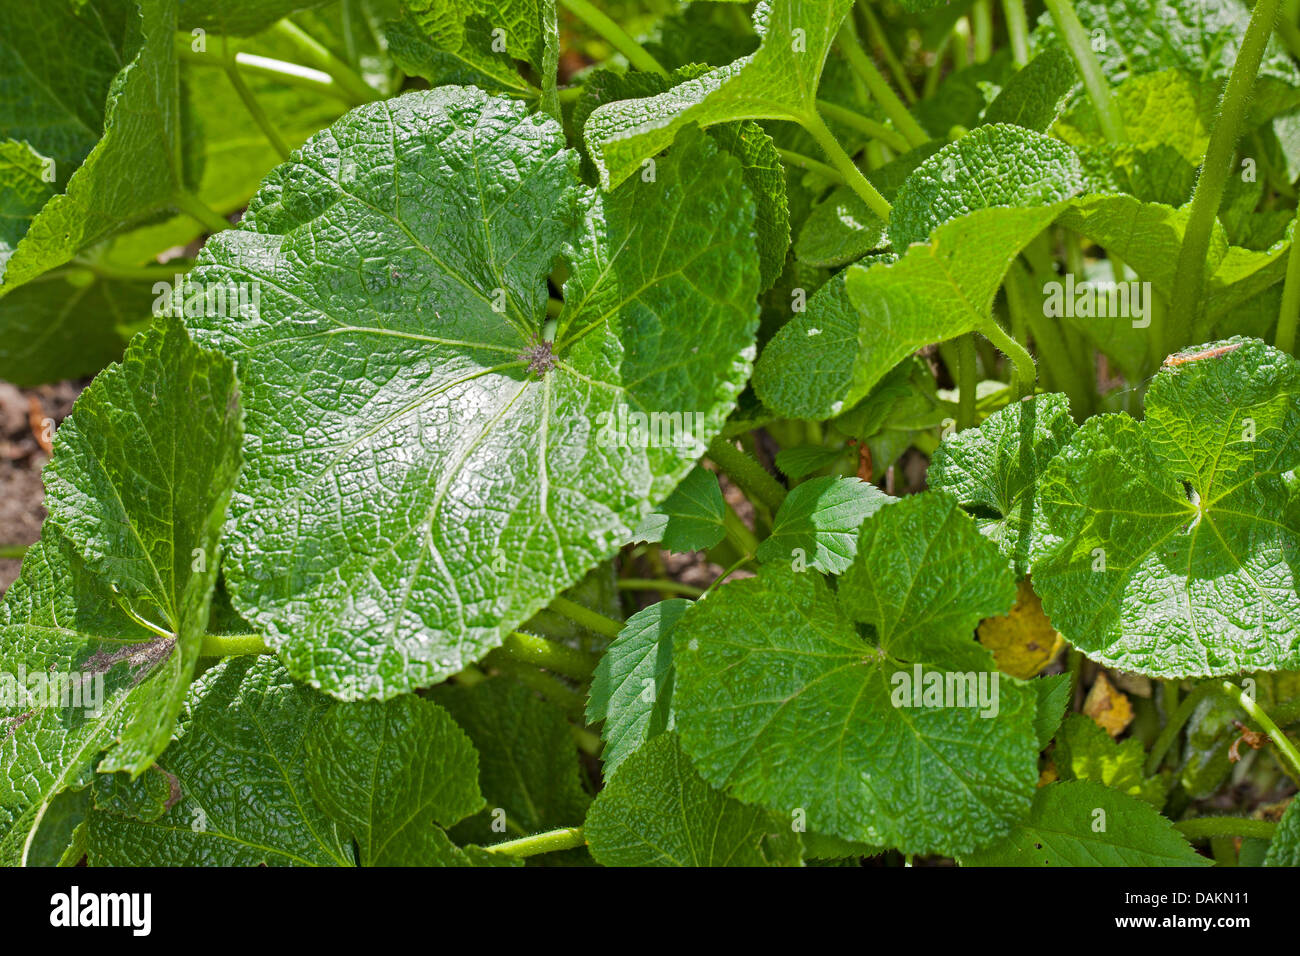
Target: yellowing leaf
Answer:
pixel 1023 642
pixel 1108 706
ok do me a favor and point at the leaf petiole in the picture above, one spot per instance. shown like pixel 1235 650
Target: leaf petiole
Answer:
pixel 591 620
pixel 565 838
pixel 749 475
pixel 1094 81
pixel 614 35
pixel 841 160
pixel 552 655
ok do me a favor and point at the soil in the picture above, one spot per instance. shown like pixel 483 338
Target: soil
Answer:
pixel 24 451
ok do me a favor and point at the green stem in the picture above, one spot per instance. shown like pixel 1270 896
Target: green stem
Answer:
pixel 982 22
pixel 288 74
pixel 654 584
pixel 876 36
pixel 232 645
pixel 587 742
pixel 966 376
pixel 801 161
pixel 1281 741
pixel 1169 732
pixel 1013 11
pixel 591 620
pixel 13 552
pixel 1189 277
pixel 961 44
pixel 1204 828
pixel 935 73
pixel 881 91
pixel 863 124
pixel 255 109
pixel 721 578
pixel 1026 373
pixel 552 655
pixel 200 212
pixel 751 477
pixel 614 35
pixel 1289 315
pixel 841 160
pixel 566 838
pixel 737 531
pixel 1094 81
pixel 341 73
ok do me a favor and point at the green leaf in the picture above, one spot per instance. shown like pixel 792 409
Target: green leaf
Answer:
pixel 777 81
pixel 1284 848
pixel 659 812
pixel 386 772
pixel 632 689
pixel 69 325
pixel 464 201
pixel 1170 546
pixel 145 798
pixel 993 470
pixel 1079 823
pixel 239 17
pixel 692 517
pixel 924 577
pixel 240 764
pixel 60 840
pixel 782 703
pixel 1084 751
pixel 477 42
pixel 1035 96
pixel 134 170
pixel 992 167
pixel 528 761
pixel 1053 698
pixel 820 519
pixel 24 189
pixel 802 460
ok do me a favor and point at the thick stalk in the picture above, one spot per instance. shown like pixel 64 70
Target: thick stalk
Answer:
pixel 1204 828
pixel 881 91
pixel 751 477
pixel 591 620
pixel 1025 372
pixel 1289 315
pixel 1189 277
pixel 614 35
pixel 863 124
pixel 664 587
pixel 552 655
pixel 967 376
pixel 566 838
pixel 232 645
pixel 841 160
pixel 1094 81
pixel 200 212
pixel 800 161
pixel 1013 11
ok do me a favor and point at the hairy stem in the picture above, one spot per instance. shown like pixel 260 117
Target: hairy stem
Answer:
pixel 614 35
pixel 232 645
pixel 841 160
pixel 864 124
pixel 1013 11
pixel 751 477
pixel 591 620
pixel 552 655
pixel 566 838
pixel 1189 277
pixel 200 212
pixel 799 160
pixel 967 374
pixel 1204 828
pixel 1026 373
pixel 664 587
pixel 876 36
pixel 1094 81
pixel 881 91
pixel 1289 315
